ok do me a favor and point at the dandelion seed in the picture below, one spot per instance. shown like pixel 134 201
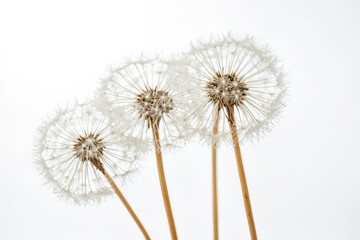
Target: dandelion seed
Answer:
pixel 79 154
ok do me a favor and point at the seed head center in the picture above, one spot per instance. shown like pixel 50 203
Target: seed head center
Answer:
pixel 90 148
pixel 152 104
pixel 226 90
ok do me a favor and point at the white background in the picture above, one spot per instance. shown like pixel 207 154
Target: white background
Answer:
pixel 303 178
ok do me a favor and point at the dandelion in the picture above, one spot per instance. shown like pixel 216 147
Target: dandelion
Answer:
pixel 79 154
pixel 145 94
pixel 142 92
pixel 239 88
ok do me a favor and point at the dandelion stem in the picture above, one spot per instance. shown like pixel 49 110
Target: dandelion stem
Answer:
pixel 244 188
pixel 214 178
pixel 164 191
pixel 127 205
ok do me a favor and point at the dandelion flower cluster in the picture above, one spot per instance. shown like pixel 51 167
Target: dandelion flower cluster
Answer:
pixel 147 91
pixel 74 149
pixel 230 73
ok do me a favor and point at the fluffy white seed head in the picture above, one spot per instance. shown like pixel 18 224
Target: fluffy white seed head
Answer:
pixel 147 91
pixel 231 73
pixel 74 149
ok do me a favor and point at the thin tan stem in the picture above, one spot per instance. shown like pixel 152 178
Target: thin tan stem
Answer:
pixel 164 191
pixel 127 205
pixel 244 188
pixel 214 178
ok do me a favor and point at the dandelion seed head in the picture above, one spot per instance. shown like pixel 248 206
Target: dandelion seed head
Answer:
pixel 226 73
pixel 146 91
pixel 74 149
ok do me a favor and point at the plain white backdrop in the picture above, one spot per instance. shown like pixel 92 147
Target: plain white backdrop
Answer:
pixel 304 177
